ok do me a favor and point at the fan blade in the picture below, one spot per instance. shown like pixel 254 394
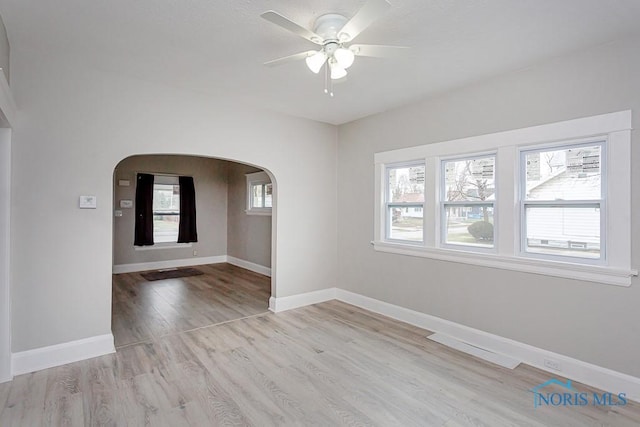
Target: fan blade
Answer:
pixel 287 24
pixel 290 58
pixel 379 51
pixel 371 11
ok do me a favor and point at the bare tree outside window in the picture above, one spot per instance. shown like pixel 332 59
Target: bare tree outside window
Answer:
pixel 469 190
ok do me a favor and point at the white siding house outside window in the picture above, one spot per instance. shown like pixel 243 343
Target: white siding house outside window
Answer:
pixel 561 199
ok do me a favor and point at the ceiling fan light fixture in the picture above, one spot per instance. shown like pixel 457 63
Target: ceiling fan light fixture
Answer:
pixel 344 57
pixel 316 61
pixel 337 71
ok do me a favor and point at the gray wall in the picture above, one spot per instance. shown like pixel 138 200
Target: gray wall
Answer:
pixel 210 179
pixel 249 236
pixel 593 322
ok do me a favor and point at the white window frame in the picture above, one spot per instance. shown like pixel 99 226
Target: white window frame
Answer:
pixel 389 204
pixel 601 203
pixel 159 179
pixel 444 203
pixel 612 128
pixel 253 179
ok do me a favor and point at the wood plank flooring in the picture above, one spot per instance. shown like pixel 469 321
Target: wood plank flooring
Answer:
pixel 145 310
pixel 329 364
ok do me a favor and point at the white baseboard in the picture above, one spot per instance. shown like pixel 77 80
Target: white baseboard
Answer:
pixel 61 354
pixel 574 369
pixel 295 301
pixel 256 268
pixel 157 265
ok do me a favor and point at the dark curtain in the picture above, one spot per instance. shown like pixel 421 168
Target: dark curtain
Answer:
pixel 144 210
pixel 187 229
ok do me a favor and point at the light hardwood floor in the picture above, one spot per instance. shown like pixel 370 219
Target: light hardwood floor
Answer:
pixel 148 310
pixel 328 364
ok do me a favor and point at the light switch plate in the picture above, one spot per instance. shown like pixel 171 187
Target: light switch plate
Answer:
pixel 88 202
pixel 118 213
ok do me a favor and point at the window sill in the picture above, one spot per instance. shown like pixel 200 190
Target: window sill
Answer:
pixel 265 212
pixel 590 273
pixel 162 246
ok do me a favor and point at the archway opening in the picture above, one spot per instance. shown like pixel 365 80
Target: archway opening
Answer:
pixel 166 286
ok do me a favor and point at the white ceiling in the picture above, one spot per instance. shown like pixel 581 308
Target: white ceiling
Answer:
pixel 218 47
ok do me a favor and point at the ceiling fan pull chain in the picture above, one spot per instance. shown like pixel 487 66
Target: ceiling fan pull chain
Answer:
pixel 326 78
pixel 328 81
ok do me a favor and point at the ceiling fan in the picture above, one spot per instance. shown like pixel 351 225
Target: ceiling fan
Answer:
pixel 334 33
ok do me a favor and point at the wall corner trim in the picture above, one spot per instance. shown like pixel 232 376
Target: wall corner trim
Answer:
pixel 577 370
pixel 247 265
pixel 60 354
pixel 280 304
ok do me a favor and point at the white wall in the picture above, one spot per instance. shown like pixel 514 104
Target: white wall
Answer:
pixel 592 322
pixel 210 181
pixel 5 210
pixel 77 123
pixel 249 236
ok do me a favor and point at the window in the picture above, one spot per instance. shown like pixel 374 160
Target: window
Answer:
pixel 405 202
pixel 166 209
pixel 259 194
pixel 551 199
pixel 467 201
pixel 561 201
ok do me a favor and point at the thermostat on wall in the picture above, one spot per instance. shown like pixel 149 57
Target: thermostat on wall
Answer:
pixel 88 202
pixel 126 203
pixel 123 183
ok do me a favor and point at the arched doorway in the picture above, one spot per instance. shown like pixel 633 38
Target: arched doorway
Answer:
pixel 168 287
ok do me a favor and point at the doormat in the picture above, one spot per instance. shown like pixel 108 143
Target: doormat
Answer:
pixel 171 274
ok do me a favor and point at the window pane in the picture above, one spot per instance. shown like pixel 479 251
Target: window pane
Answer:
pixel 472 180
pixel 166 213
pixel 268 196
pixel 405 223
pixel 567 231
pixel 566 174
pixel 165 228
pixel 469 225
pixel 406 184
pixel 256 196
pixel 166 198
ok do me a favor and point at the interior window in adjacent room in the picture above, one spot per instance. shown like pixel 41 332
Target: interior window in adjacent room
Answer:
pixel 259 194
pixel 166 209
